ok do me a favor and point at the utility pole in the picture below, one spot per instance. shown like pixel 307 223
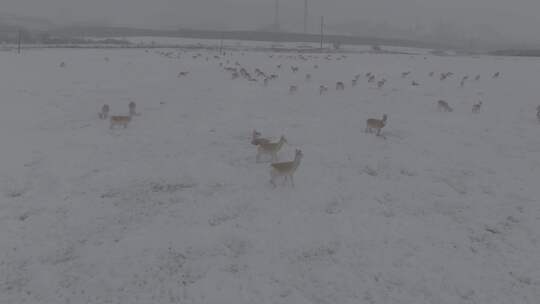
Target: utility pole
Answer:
pixel 276 17
pixel 322 32
pixel 221 43
pixel 305 16
pixel 19 43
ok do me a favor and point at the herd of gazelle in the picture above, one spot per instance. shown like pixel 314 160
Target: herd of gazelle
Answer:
pixel 266 147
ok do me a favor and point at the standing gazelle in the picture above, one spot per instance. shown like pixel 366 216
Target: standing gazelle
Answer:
pixel 285 169
pixel 476 107
pixel 132 107
pixel 376 124
pixel 270 149
pixel 104 114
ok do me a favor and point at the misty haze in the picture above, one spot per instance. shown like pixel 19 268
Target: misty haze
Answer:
pixel 269 151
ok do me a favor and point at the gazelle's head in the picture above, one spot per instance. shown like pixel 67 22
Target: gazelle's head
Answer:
pixel 385 118
pixel 298 154
pixel 256 133
pixel 283 140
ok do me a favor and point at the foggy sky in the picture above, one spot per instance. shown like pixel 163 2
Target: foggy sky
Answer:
pixel 515 19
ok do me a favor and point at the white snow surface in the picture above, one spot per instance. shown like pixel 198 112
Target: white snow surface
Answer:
pixel 444 208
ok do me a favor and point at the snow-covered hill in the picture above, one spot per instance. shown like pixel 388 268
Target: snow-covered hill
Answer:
pixel 174 209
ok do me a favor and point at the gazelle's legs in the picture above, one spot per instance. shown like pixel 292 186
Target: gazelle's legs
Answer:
pixel 272 178
pixel 274 157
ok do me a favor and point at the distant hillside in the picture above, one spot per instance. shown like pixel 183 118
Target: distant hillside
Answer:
pixel 8 21
pixel 237 35
pixel 519 53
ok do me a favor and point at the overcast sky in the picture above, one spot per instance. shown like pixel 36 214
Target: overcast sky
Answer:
pixel 515 18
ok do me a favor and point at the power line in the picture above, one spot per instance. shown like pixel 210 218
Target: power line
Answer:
pixel 305 16
pixel 276 17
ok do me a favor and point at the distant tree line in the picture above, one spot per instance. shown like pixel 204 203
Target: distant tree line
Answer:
pixel 10 34
pixel 518 53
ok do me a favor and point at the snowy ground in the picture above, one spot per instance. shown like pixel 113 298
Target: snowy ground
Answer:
pixel 174 209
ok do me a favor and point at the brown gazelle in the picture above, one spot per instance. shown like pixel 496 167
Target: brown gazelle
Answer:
pixel 443 106
pixel 104 114
pixel 293 89
pixel 120 121
pixel 132 107
pixel 322 89
pixel 256 139
pixel 376 124
pixel 476 107
pixel 285 169
pixel 271 149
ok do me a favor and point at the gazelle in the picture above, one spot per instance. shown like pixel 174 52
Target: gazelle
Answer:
pixel 256 139
pixel 443 106
pixel 322 89
pixel 476 107
pixel 270 149
pixel 132 107
pixel 376 124
pixel 462 83
pixel 340 86
pixel 120 121
pixel 285 169
pixel 104 112
pixel 293 89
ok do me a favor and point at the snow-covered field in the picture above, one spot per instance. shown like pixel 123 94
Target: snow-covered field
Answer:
pixel 174 209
